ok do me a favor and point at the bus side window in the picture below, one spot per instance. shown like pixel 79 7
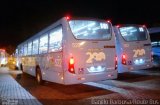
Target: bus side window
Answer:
pixel 55 41
pixel 29 48
pixel 35 47
pixel 43 45
pixel 25 49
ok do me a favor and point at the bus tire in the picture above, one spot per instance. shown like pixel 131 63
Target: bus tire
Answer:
pixel 39 76
pixel 21 67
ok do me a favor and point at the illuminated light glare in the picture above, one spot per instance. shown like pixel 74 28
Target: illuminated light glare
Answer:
pixel 44 73
pixel 80 33
pixel 94 69
pixel 133 30
pixel 136 61
pixel 3 61
pixel 86 33
pixel 124 59
pixel 117 26
pixel 124 33
pixel 82 43
pixel 116 61
pixel 104 26
pixel 71 61
pixel 141 29
pixel 56 36
pixel 17 63
pixel 143 25
pixel 99 68
pixel 109 21
pixel 72 69
pixel 126 28
pixel 71 65
pixel 89 26
pixel 62 78
pixel 139 61
pixel 123 56
pixel 67 17
pixel 2 50
pixel 109 75
pixel 96 28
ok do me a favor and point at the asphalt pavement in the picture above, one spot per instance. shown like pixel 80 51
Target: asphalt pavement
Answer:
pixel 139 87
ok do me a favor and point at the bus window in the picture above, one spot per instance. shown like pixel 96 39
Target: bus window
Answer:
pixel 133 33
pixel 35 46
pixel 43 46
pixel 21 50
pixel 92 30
pixel 55 41
pixel 25 50
pixel 29 48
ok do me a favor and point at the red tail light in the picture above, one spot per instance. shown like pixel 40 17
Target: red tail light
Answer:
pixel 117 26
pixel 116 62
pixel 109 21
pixel 124 59
pixel 71 65
pixel 143 25
pixel 68 17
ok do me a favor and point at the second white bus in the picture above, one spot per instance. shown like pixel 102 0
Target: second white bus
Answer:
pixel 133 47
pixel 70 51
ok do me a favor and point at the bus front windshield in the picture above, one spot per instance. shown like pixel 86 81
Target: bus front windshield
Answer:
pixel 133 33
pixel 91 30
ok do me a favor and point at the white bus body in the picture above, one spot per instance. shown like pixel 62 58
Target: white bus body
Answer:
pixel 133 47
pixel 3 57
pixel 70 51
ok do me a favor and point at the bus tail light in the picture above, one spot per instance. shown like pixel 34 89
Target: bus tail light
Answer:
pixel 67 17
pixel 124 59
pixel 117 26
pixel 71 65
pixel 116 62
pixel 109 21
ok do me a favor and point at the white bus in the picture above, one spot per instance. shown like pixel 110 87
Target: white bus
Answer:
pixel 3 57
pixel 70 51
pixel 133 47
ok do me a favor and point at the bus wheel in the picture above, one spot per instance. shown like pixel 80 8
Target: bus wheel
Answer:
pixel 39 76
pixel 21 67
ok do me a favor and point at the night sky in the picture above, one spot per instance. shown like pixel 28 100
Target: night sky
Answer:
pixel 21 19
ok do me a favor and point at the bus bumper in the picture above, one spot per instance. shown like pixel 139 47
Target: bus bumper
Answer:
pixel 128 68
pixel 91 77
